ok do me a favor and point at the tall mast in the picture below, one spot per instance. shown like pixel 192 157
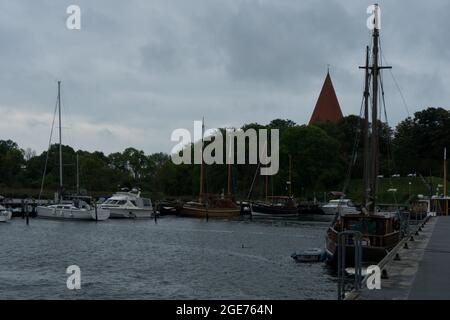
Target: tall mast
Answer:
pixel 60 144
pixel 290 175
pixel 366 131
pixel 266 186
pixel 201 165
pixel 78 174
pixel 445 183
pixel 229 171
pixel 374 137
pixel 374 148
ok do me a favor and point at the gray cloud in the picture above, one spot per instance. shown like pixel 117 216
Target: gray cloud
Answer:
pixel 139 69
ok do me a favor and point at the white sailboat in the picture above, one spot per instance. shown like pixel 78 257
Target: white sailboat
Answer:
pixel 77 208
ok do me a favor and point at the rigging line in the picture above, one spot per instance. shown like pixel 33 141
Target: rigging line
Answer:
pixel 405 104
pixel 354 152
pixel 389 142
pixel 48 150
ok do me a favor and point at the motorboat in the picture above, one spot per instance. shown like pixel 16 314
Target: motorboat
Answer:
pixel 341 206
pixel 5 215
pixel 128 204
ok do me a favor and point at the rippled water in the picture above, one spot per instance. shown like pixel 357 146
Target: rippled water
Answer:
pixel 177 258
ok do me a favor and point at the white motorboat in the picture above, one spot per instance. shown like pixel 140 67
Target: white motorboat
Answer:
pixel 128 204
pixel 5 215
pixel 343 206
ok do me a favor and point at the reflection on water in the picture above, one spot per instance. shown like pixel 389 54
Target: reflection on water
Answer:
pixel 177 258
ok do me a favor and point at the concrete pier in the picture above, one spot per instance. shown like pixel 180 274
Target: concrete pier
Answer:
pixel 421 271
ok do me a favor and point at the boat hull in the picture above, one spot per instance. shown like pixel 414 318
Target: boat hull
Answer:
pixel 370 255
pixel 5 216
pixel 69 214
pixel 129 213
pixel 274 210
pixel 202 212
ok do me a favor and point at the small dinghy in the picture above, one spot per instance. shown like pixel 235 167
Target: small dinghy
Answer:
pixel 309 255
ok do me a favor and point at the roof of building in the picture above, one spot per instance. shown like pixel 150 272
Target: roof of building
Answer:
pixel 327 108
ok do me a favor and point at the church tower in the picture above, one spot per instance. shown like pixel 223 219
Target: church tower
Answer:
pixel 327 108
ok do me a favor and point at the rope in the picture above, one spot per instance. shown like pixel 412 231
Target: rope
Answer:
pixel 48 150
pixel 354 151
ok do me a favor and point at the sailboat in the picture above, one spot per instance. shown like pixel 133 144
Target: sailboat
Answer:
pixel 277 205
pixel 211 206
pixel 380 231
pixel 72 207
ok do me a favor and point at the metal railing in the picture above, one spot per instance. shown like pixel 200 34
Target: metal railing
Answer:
pixel 343 238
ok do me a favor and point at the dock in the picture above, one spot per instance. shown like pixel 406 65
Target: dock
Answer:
pixel 418 269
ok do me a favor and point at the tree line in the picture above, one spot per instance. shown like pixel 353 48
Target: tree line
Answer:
pixel 323 156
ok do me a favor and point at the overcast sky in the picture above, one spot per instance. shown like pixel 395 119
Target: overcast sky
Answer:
pixel 139 69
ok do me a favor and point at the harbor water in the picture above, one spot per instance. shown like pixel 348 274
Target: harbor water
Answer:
pixel 175 258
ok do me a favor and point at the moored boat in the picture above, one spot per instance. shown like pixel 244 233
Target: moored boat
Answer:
pixel 213 208
pixel 128 204
pixel 5 215
pixel 277 205
pixel 210 206
pixel 379 231
pixel 342 206
pixel 69 207
pixel 70 211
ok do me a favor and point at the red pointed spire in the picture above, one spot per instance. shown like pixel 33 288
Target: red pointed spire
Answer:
pixel 327 107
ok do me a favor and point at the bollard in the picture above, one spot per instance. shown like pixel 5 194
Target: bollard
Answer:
pixel 27 216
pixel 397 257
pixel 384 274
pixel 405 246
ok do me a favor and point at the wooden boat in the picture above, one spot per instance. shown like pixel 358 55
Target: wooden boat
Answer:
pixel 210 206
pixel 380 231
pixel 278 205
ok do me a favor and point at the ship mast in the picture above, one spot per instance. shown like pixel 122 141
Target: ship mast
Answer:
pixel 373 158
pixel 201 165
pixel 229 173
pixel 445 183
pixel 366 131
pixel 290 176
pixel 60 145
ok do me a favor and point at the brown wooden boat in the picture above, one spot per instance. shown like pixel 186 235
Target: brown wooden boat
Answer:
pixel 380 231
pixel 213 208
pixel 209 206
